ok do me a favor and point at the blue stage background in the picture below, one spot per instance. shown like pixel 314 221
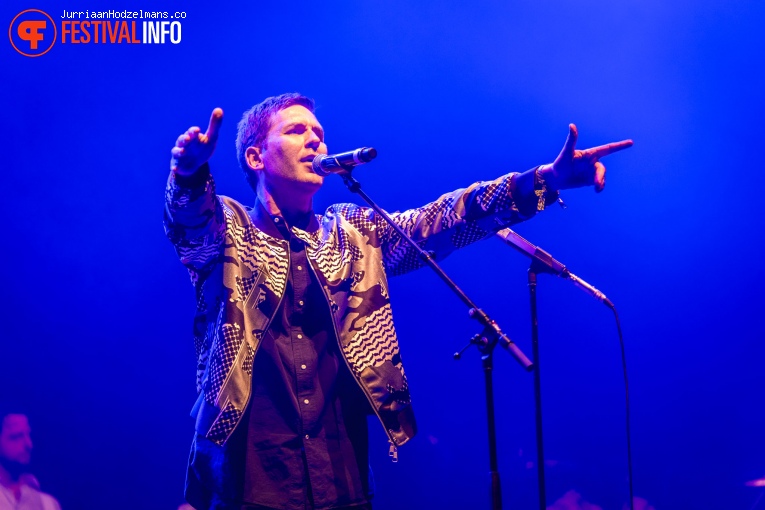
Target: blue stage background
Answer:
pixel 96 337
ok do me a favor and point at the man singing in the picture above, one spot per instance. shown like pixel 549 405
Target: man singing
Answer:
pixel 293 328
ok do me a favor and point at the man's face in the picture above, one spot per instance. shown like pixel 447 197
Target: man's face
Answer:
pixel 16 439
pixel 294 139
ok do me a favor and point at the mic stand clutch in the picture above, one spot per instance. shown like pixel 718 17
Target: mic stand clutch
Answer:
pixel 486 340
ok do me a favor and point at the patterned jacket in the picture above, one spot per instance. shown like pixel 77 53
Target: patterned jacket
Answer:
pixel 240 273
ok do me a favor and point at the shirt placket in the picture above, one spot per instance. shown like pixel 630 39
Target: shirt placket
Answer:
pixel 304 354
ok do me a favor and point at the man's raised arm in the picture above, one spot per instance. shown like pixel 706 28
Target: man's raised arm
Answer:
pixel 194 221
pixel 464 216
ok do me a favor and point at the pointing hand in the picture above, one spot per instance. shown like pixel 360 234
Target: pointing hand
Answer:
pixel 193 148
pixel 576 168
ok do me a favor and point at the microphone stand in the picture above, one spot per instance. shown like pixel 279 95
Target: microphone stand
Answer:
pixel 532 278
pixel 542 262
pixel 485 341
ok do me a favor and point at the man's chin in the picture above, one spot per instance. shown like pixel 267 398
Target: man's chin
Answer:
pixel 310 183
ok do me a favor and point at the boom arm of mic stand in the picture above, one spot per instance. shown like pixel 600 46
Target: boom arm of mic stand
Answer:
pixel 548 264
pixel 475 312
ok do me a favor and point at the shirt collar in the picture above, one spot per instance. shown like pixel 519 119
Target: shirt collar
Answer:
pixel 276 226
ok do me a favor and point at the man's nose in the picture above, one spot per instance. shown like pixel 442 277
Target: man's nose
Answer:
pixel 313 140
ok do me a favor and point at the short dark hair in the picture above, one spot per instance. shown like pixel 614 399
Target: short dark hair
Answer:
pixel 255 123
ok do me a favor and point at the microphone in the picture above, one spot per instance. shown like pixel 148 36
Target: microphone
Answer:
pixel 539 255
pixel 344 162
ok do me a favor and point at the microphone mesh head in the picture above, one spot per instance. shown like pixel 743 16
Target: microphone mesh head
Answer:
pixel 316 165
pixel 368 154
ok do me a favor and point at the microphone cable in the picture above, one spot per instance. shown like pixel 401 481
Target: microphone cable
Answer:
pixel 626 403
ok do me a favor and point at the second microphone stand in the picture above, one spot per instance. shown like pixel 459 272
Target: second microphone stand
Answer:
pixel 543 262
pixel 532 278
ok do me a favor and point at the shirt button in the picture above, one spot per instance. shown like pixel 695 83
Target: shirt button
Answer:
pixel 300 268
pixel 307 436
pixel 300 303
pixel 303 367
pixel 300 336
pixel 305 401
pixel 276 220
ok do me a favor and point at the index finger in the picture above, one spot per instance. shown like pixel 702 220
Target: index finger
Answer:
pixel 609 148
pixel 216 119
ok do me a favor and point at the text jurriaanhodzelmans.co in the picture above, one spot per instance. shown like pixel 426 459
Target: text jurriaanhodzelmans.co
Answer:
pixel 88 27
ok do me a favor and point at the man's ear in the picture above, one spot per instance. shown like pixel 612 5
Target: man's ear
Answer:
pixel 253 157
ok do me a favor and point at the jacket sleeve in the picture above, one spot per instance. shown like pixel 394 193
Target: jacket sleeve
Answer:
pixel 456 219
pixel 194 220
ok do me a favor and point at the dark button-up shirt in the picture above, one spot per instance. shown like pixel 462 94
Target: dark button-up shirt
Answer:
pixel 306 441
